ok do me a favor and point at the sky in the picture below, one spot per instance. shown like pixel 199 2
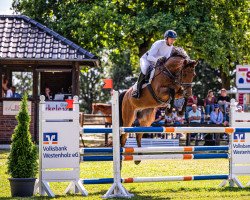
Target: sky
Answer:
pixel 5 6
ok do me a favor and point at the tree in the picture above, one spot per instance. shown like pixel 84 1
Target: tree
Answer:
pixel 215 31
pixel 22 160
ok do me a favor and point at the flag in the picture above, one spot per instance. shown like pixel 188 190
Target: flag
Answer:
pixel 70 103
pixel 108 84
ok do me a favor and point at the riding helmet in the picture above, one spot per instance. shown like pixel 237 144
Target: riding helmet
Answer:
pixel 170 34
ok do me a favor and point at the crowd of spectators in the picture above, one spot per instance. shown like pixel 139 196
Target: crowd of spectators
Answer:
pixel 213 111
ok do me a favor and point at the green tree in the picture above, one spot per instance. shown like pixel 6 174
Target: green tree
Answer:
pixel 22 160
pixel 216 31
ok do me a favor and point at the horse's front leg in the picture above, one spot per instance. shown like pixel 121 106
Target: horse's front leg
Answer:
pixel 138 140
pixel 172 97
pixel 182 112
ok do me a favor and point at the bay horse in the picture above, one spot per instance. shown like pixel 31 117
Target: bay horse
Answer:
pixel 171 80
pixel 105 109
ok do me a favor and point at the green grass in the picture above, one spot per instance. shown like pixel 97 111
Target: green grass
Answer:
pixel 161 190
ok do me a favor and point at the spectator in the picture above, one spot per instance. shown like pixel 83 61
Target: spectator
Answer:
pixel 169 119
pixel 159 117
pixel 209 102
pixel 216 116
pixel 239 109
pixel 191 100
pixel 194 116
pixel 4 85
pixel 178 120
pixel 9 93
pixel 48 94
pixel 14 93
pixel 223 100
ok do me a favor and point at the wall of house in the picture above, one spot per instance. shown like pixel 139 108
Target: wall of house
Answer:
pixel 8 124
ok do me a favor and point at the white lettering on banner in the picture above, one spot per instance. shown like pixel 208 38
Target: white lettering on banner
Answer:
pixel 13 107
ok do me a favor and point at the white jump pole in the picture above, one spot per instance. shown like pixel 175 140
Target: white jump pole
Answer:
pixel 117 189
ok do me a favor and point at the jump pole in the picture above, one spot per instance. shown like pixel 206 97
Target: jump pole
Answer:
pixel 116 189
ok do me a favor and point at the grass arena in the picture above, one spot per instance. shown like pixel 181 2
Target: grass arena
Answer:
pixel 184 169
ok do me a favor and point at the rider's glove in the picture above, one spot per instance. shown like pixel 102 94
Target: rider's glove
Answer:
pixel 161 60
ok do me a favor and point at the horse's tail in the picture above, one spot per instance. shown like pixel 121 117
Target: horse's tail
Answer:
pixel 121 96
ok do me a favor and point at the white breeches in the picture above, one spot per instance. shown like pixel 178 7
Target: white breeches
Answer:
pixel 144 64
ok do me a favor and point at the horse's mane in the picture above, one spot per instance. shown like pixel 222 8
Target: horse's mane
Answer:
pixel 179 51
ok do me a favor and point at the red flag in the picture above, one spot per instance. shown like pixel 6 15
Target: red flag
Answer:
pixel 70 103
pixel 108 84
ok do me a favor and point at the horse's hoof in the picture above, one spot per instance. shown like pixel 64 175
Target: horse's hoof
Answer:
pixel 137 162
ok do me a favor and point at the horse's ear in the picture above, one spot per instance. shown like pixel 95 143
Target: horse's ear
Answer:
pixel 185 62
pixel 196 63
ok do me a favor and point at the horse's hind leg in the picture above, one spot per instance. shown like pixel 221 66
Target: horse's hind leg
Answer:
pixel 146 119
pixel 138 139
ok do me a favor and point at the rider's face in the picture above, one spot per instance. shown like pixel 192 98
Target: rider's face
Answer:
pixel 170 41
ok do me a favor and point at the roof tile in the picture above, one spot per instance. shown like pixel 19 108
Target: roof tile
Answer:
pixel 22 37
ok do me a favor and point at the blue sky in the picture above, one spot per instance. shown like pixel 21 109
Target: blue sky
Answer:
pixel 5 7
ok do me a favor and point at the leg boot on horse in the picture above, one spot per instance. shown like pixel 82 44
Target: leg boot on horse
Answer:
pixel 136 94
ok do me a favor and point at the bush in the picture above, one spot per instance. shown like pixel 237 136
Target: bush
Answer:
pixel 22 160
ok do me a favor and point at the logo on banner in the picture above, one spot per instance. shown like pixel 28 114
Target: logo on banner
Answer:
pixel 50 138
pixel 242 76
pixel 239 137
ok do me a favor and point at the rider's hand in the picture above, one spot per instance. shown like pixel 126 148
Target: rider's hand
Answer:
pixel 161 60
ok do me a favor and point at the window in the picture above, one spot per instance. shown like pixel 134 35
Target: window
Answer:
pixel 23 81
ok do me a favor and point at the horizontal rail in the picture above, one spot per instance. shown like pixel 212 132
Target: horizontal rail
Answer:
pixel 155 149
pixel 228 130
pixel 157 179
pixel 157 157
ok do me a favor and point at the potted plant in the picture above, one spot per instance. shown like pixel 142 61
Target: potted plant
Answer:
pixel 22 160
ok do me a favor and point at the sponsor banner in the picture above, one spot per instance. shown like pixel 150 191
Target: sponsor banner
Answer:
pixel 56 106
pixel 60 145
pixel 12 107
pixel 241 148
pixel 243 76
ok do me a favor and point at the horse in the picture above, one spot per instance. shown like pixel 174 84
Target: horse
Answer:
pixel 106 110
pixel 172 79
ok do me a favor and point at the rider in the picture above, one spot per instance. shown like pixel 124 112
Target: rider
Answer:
pixel 159 51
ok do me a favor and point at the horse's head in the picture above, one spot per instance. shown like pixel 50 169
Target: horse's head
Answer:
pixel 173 67
pixel 187 76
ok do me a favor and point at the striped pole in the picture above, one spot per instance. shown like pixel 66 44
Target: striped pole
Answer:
pixel 155 149
pixel 157 179
pixel 157 157
pixel 96 130
pixel 228 130
pixel 173 149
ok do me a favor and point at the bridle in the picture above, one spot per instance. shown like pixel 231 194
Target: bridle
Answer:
pixel 176 79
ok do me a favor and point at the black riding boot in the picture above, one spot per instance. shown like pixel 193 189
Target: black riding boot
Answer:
pixel 140 81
